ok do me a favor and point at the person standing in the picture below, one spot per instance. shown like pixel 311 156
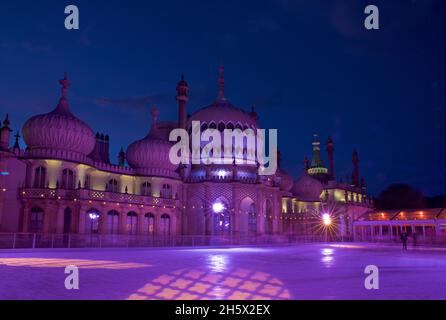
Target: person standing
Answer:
pixel 404 236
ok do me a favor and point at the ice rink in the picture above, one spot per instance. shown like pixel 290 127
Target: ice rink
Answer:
pixel 310 271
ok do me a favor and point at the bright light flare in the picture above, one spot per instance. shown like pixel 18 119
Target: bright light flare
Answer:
pixel 218 207
pixel 326 219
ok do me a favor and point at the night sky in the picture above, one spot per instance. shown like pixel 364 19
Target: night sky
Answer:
pixel 307 65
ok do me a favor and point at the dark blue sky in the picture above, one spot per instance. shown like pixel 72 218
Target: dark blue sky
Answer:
pixel 307 65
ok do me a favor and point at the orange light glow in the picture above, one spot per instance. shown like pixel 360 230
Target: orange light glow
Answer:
pixel 200 284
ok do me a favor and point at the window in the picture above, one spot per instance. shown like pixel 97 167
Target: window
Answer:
pixel 166 191
pixel 132 222
pixel 149 223
pixel 39 177
pixel 112 185
pixel 113 222
pixel 36 220
pixel 67 179
pixel 146 189
pixel 165 225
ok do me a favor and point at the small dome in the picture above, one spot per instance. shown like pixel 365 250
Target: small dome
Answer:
pixel 286 180
pixel 59 129
pixel 151 154
pixel 307 188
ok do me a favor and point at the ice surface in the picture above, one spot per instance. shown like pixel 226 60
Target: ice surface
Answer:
pixel 311 271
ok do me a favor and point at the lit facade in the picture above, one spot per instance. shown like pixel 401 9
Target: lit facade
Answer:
pixel 63 182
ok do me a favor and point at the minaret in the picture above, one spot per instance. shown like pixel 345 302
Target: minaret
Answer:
pixel 121 157
pixel 221 84
pixel 4 133
pixel 182 98
pixel 16 147
pixel 316 161
pixel 330 151
pixel 355 175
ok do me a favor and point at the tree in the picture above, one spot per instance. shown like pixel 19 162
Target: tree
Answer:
pixel 400 196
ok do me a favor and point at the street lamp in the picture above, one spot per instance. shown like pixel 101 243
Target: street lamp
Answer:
pixel 218 207
pixel 326 219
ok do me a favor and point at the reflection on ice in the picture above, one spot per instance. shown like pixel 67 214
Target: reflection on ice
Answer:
pixel 217 262
pixel 327 256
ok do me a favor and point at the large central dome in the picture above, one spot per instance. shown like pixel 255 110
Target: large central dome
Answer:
pixel 59 129
pixel 222 114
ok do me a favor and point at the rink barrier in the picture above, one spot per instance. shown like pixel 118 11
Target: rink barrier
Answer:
pixel 39 240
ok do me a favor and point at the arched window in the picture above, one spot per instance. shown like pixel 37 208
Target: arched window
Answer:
pixel 92 221
pixel 39 177
pixel 112 185
pixel 36 220
pixel 166 191
pixel 113 222
pixel 67 179
pixel 165 225
pixel 132 222
pixel 149 223
pixel 221 127
pixel 146 189
pixel 204 126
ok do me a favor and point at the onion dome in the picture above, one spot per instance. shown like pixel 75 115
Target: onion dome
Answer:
pixel 59 130
pixel 222 113
pixel 307 188
pixel 150 155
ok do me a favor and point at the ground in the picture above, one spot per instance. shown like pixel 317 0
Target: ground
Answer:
pixel 307 271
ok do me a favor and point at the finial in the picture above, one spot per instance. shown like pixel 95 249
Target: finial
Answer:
pixel 16 143
pixel 65 84
pixel 221 83
pixel 155 113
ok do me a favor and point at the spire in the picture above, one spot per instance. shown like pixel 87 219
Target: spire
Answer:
pixel 316 161
pixel 155 113
pixel 253 112
pixel 62 106
pixel 221 84
pixel 330 153
pixel 6 122
pixel 121 157
pixel 16 143
pixel 182 98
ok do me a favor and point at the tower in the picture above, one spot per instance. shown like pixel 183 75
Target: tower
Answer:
pixel 182 98
pixel 355 175
pixel 121 157
pixel 330 153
